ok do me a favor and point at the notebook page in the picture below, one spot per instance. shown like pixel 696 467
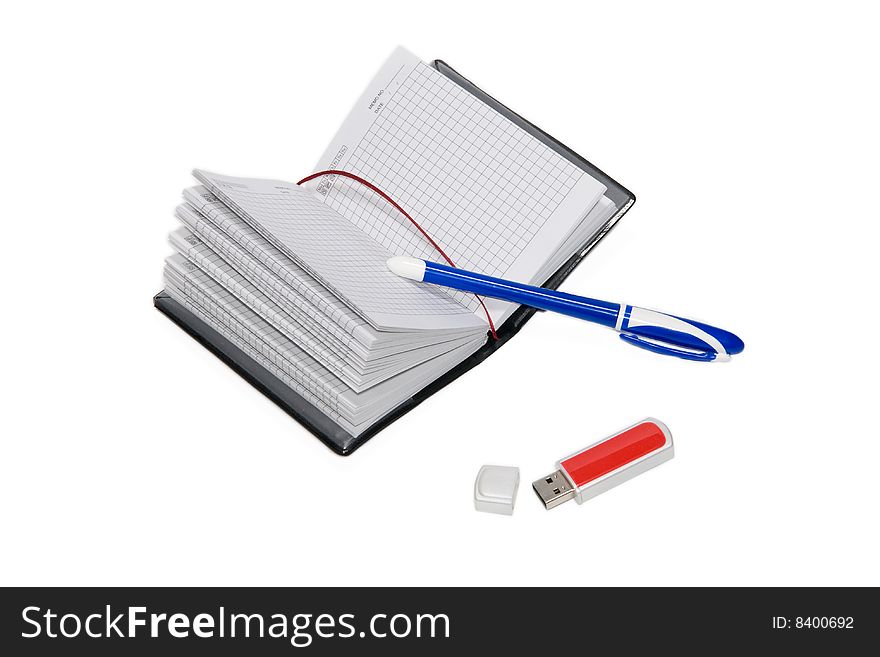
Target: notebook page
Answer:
pixel 353 371
pixel 339 255
pixel 595 220
pixel 269 269
pixel 291 288
pixel 273 286
pixel 196 251
pixel 497 200
pixel 185 291
pixel 215 305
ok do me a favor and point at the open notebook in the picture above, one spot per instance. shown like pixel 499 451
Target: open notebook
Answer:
pixel 289 283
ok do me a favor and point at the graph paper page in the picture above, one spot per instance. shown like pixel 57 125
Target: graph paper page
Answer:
pixel 249 331
pixel 498 200
pixel 340 256
pixel 271 271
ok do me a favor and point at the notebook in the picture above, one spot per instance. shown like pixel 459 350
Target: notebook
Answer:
pixel 289 284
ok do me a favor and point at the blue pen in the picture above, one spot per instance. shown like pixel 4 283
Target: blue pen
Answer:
pixel 649 329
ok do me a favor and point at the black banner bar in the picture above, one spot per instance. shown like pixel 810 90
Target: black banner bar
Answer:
pixel 541 621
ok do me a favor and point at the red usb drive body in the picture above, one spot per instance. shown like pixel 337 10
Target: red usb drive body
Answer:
pixel 606 463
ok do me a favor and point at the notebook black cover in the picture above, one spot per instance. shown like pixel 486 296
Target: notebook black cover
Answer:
pixel 334 436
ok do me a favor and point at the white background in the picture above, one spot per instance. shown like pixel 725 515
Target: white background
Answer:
pixel 748 132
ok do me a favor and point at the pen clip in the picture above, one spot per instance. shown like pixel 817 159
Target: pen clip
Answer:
pixel 676 336
pixel 668 350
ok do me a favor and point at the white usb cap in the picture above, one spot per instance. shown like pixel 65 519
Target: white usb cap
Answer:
pixel 495 489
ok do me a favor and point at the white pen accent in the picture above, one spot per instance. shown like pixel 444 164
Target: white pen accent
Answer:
pixel 620 315
pixel 408 267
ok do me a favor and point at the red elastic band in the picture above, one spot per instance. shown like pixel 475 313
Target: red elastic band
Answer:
pixel 366 183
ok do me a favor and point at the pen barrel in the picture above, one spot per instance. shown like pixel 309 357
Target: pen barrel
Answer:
pixel 591 310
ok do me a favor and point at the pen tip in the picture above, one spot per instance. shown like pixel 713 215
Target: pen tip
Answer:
pixel 407 267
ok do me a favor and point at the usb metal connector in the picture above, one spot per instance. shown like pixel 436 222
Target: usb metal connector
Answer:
pixel 554 489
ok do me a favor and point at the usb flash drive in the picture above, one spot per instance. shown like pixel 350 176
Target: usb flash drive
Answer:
pixel 607 463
